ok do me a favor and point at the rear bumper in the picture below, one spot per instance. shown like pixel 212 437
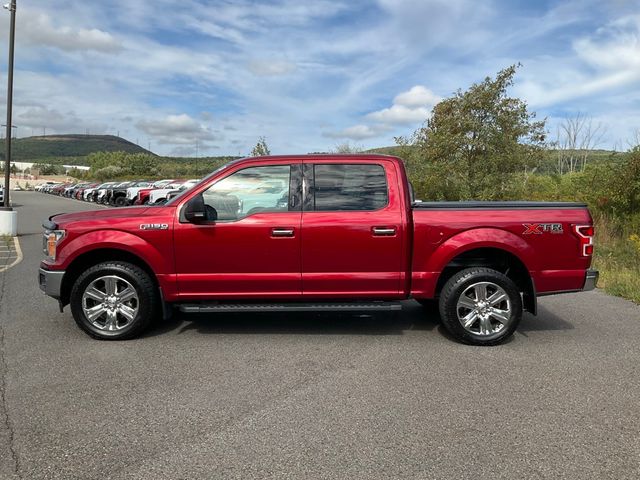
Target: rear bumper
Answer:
pixel 590 280
pixel 51 282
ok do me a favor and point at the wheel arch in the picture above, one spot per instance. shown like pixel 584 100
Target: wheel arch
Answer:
pixel 93 257
pixel 496 258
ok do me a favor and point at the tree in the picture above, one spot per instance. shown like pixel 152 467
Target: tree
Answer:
pixel 261 149
pixel 46 169
pixel 346 147
pixel 575 139
pixel 13 169
pixel 475 143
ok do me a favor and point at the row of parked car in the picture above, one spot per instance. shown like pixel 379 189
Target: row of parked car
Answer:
pixel 120 194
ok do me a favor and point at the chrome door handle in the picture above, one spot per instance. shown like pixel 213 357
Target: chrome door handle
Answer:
pixel 384 231
pixel 282 232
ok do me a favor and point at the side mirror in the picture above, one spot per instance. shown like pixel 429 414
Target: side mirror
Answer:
pixel 195 210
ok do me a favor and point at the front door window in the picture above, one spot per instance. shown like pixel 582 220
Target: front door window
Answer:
pixel 249 191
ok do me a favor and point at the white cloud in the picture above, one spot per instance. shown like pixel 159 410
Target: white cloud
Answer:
pixel 615 46
pixel 176 130
pixel 357 132
pixel 37 29
pixel 408 107
pixel 271 67
pixel 605 61
pixel 427 24
pixel 400 115
pixel 417 96
pixel 34 119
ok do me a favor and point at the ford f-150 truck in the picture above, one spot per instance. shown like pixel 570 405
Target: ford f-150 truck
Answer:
pixel 315 233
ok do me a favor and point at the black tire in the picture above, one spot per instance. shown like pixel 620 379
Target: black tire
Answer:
pixel 466 279
pixel 121 201
pixel 147 299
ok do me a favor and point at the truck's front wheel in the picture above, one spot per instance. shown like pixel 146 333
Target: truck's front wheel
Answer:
pixel 114 300
pixel 480 306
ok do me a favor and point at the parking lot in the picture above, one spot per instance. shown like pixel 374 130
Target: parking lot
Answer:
pixel 313 395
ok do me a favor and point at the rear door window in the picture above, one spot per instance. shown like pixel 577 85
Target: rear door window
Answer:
pixel 349 187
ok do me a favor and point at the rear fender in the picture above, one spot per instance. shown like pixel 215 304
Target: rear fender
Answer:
pixel 425 277
pixel 481 238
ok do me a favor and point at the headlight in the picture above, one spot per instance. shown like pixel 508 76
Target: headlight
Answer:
pixel 50 242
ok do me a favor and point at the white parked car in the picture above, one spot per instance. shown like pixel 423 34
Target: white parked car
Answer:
pixel 42 187
pixel 161 194
pixel 132 192
pixel 89 194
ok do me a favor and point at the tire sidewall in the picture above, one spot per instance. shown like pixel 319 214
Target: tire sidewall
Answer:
pixel 131 273
pixel 457 284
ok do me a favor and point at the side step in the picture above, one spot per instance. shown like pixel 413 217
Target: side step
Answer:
pixel 290 307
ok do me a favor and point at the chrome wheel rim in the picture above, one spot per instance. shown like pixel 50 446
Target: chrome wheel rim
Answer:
pixel 110 303
pixel 484 308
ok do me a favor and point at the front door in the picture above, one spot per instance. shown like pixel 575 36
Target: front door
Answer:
pixel 252 250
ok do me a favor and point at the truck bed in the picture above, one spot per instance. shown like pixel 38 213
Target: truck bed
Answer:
pixel 539 234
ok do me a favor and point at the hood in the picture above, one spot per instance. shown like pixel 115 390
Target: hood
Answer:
pixel 102 215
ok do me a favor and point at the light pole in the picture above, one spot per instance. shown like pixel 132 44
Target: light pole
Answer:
pixel 8 220
pixel 7 158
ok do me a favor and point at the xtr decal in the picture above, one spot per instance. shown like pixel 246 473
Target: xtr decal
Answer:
pixel 540 228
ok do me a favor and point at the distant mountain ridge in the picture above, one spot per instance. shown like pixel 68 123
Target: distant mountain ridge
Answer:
pixel 56 148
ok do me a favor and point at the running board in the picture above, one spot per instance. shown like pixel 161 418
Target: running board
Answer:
pixel 290 307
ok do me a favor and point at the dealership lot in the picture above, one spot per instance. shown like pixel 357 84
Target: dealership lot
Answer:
pixel 313 395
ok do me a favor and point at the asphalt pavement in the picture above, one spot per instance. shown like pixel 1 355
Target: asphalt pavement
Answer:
pixel 318 396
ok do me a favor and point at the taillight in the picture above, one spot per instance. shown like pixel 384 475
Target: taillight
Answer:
pixel 585 235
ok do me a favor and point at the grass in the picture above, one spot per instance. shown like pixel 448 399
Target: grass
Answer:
pixel 617 257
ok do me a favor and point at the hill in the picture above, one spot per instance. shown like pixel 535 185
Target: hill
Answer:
pixel 67 148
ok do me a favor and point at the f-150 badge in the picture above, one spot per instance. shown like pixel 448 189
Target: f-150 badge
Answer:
pixel 540 228
pixel 154 226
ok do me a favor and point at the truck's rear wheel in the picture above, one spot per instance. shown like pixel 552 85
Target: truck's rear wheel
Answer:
pixel 114 300
pixel 121 201
pixel 480 306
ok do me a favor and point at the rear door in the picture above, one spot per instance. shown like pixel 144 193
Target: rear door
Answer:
pixel 352 230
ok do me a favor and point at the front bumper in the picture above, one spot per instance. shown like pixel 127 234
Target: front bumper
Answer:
pixel 590 280
pixel 51 282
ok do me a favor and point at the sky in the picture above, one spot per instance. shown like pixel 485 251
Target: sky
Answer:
pixel 310 75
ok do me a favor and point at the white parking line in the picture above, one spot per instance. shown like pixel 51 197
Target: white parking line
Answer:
pixel 18 259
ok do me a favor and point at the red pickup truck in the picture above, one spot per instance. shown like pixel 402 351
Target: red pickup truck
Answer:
pixel 315 233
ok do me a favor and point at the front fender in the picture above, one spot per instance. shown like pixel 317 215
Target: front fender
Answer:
pixel 117 240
